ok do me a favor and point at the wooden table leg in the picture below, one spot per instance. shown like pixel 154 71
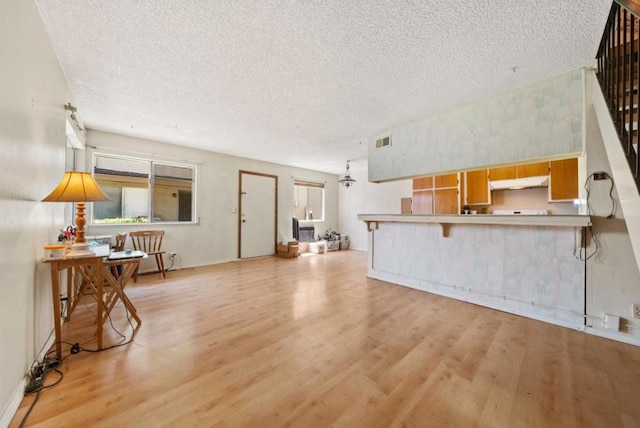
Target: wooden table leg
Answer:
pixel 55 291
pixel 100 306
pixel 70 291
pixel 117 287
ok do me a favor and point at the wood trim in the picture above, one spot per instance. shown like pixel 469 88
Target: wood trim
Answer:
pixel 275 228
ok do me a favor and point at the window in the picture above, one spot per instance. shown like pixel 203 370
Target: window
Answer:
pixel 143 191
pixel 308 200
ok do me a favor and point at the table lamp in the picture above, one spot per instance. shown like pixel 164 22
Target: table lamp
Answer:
pixel 78 187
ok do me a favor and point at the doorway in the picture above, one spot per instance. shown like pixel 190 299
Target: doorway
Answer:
pixel 257 214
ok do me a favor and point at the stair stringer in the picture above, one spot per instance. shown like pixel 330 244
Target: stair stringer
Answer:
pixel 625 184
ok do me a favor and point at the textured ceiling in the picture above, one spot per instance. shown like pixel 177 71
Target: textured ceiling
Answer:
pixel 304 83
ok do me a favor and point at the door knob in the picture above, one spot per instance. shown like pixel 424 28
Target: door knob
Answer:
pixel 244 221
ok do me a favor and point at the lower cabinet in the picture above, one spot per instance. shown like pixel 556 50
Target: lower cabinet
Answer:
pixel 445 201
pixel 422 202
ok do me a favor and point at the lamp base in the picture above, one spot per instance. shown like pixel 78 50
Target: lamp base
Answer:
pixel 80 250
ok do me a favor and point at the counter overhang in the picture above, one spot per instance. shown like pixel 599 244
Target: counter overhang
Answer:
pixel 513 220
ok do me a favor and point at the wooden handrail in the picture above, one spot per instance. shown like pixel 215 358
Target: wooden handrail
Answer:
pixel 631 6
pixel 618 61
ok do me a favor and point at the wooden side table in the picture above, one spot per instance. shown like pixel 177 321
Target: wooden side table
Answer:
pixel 93 271
pixel 90 270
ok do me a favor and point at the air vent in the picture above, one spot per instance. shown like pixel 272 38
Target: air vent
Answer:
pixel 383 142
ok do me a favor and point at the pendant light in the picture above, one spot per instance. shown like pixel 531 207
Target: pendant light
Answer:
pixel 347 181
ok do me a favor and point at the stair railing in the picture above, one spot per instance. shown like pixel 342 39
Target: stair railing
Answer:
pixel 618 61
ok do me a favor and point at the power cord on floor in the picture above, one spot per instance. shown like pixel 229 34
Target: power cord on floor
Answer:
pixel 38 371
pixel 35 383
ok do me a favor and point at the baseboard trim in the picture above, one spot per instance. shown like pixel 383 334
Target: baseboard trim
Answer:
pixel 618 337
pixel 12 407
pixel 513 308
pixel 18 394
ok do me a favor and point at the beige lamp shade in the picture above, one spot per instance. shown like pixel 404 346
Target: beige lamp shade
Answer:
pixel 77 187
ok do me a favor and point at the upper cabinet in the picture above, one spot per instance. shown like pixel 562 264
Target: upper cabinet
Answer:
pixel 519 171
pixel 502 173
pixel 532 169
pixel 477 188
pixel 446 180
pixel 563 180
pixel 436 195
pixel 423 183
pixel 447 193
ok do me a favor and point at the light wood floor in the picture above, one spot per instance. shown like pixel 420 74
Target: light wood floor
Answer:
pixel 312 342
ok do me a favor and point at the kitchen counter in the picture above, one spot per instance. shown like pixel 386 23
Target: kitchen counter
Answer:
pixel 531 265
pixel 447 220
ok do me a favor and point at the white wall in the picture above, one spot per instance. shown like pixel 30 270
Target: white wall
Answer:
pixel 541 120
pixel 215 238
pixel 32 162
pixel 612 275
pixel 613 279
pixel 527 270
pixel 367 198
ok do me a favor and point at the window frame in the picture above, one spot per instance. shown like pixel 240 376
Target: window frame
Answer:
pixel 310 184
pixel 150 186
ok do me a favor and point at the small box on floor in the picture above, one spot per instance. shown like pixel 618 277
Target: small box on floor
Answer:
pixel 318 247
pixel 288 250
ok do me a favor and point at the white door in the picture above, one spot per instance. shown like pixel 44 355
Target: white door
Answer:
pixel 258 202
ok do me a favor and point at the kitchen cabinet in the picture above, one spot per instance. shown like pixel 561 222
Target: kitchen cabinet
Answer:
pixel 446 180
pixel 563 180
pixel 405 206
pixel 422 197
pixel 532 169
pixel 422 202
pixel 477 187
pixel 445 201
pixel 519 171
pixel 423 183
pixel 436 195
pixel 503 173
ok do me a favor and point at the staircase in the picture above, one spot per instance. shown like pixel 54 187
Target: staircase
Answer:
pixel 618 70
pixel 616 106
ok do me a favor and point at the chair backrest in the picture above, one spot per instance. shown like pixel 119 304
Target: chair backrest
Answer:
pixel 121 239
pixel 148 241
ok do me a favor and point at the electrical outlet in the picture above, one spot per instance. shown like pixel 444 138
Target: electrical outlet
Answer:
pixel 172 255
pixel 600 175
pixel 635 310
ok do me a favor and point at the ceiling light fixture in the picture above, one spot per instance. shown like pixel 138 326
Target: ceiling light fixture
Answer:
pixel 347 181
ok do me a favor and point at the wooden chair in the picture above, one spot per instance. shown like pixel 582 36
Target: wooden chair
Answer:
pixel 121 239
pixel 149 241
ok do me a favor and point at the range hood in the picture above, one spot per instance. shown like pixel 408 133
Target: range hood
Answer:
pixel 520 183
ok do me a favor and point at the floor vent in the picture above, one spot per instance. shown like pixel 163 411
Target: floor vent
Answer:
pixel 383 142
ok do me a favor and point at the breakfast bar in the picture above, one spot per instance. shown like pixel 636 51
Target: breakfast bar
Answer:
pixel 531 265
